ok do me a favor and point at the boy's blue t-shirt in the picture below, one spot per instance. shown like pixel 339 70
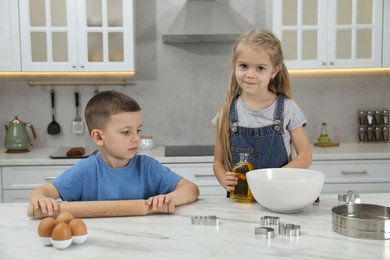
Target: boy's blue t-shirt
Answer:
pixel 92 179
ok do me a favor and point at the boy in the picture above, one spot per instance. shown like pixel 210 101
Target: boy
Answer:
pixel 117 172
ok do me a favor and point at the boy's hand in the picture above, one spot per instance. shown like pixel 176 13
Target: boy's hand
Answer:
pixel 48 205
pixel 159 201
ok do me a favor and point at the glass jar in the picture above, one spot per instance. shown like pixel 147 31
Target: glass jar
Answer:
pixel 241 190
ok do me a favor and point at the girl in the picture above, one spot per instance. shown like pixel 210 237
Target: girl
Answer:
pixel 258 116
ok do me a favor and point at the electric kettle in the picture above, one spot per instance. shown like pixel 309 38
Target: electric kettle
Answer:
pixel 16 138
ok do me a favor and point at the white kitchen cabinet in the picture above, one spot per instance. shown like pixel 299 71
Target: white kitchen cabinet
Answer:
pixel 77 35
pixel 201 174
pixel 386 34
pixel 356 175
pixel 1 187
pixel 9 31
pixel 19 181
pixel 319 34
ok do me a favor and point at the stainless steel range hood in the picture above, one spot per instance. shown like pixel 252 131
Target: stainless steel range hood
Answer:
pixel 206 21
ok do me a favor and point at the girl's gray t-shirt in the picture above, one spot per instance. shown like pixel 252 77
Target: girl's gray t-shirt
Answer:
pixel 293 117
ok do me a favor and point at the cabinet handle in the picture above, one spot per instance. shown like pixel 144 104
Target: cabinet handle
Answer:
pixel 353 172
pixel 323 63
pixel 82 66
pixel 204 175
pixel 73 66
pixel 331 63
pixel 49 178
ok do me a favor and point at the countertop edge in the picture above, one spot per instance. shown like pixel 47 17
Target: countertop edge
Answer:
pixel 345 151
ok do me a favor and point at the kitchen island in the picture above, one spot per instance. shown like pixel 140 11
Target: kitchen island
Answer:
pixel 174 237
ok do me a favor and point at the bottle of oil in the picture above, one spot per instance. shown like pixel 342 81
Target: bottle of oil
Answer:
pixel 324 137
pixel 242 191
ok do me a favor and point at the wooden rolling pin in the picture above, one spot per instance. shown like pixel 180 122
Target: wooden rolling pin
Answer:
pixel 106 208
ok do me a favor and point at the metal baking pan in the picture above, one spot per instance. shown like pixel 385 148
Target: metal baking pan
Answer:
pixel 367 221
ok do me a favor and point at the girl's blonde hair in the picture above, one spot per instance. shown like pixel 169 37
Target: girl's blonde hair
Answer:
pixel 278 85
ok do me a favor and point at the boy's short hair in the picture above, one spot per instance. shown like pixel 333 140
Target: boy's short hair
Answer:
pixel 103 105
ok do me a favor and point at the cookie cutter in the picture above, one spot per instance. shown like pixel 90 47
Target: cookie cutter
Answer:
pixel 205 220
pixel 290 230
pixel 271 225
pixel 269 221
pixel 266 231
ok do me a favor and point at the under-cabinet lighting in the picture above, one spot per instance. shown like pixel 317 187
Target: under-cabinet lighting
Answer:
pixel 66 74
pixel 325 72
pixel 71 78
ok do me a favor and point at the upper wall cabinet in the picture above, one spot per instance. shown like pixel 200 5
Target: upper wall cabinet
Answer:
pixel 9 31
pixel 319 34
pixel 77 35
pixel 386 33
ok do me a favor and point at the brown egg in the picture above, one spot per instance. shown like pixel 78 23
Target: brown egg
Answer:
pixel 65 217
pixel 61 231
pixel 78 227
pixel 46 226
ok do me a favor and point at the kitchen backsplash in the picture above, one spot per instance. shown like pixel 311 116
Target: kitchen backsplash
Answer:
pixel 180 88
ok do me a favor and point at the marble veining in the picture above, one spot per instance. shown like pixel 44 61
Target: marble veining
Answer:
pixel 174 237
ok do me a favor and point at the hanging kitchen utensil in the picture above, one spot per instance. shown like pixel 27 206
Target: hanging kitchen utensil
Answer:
pixel 78 125
pixel 53 128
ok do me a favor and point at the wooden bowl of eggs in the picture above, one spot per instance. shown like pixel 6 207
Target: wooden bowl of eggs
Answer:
pixel 62 231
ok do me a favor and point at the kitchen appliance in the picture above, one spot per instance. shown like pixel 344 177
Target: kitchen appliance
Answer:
pixel 189 150
pixel 108 208
pixel 16 138
pixel 207 21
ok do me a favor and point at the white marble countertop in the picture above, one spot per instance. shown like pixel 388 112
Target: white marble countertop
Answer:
pixel 174 237
pixel 346 151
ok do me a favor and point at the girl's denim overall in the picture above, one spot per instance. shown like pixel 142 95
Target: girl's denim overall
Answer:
pixel 264 145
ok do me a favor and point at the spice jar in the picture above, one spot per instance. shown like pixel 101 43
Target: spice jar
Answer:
pixel 385 133
pixel 362 117
pixel 385 117
pixel 378 117
pixel 378 133
pixel 362 134
pixel 370 133
pixel 370 117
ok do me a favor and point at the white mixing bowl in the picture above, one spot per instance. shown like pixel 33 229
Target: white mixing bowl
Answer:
pixel 285 190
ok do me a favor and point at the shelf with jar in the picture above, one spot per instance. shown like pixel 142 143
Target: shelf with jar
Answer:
pixel 373 125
